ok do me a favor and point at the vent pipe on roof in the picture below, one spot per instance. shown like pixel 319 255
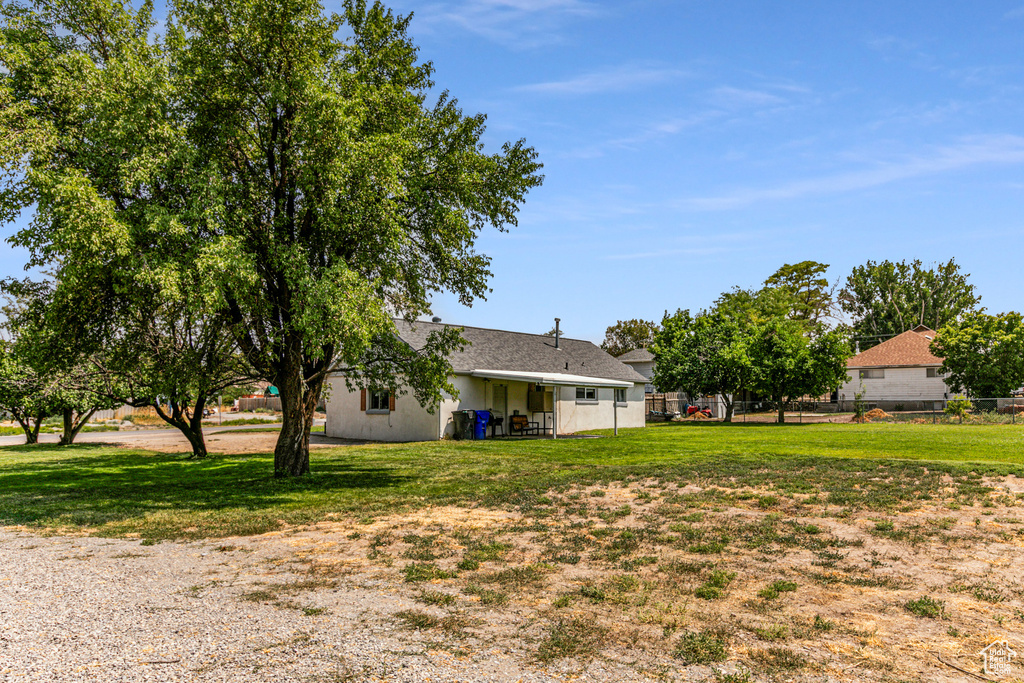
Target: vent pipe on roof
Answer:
pixel 856 348
pixel 557 332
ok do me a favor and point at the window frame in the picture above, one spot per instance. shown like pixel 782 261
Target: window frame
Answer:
pixel 625 397
pixel 867 373
pixel 384 399
pixel 933 373
pixel 584 398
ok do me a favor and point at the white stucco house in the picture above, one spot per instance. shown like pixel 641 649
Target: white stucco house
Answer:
pixel 571 385
pixel 642 361
pixel 899 372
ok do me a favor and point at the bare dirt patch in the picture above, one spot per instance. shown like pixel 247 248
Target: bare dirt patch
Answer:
pixel 642 580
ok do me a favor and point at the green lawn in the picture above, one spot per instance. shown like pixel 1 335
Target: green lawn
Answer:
pixel 119 491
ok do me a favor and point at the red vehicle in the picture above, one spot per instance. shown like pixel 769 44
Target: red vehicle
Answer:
pixel 693 409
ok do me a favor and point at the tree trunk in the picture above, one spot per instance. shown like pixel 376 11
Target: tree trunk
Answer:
pixel 730 405
pixel 31 435
pixel 190 427
pixel 298 403
pixel 782 412
pixel 194 431
pixel 68 435
pixel 71 426
pixel 31 432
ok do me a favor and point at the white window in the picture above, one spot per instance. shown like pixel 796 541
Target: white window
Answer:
pixel 934 372
pixel 620 395
pixel 586 394
pixel 872 374
pixel 380 402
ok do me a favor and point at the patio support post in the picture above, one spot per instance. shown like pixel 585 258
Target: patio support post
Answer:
pixel 554 412
pixel 615 411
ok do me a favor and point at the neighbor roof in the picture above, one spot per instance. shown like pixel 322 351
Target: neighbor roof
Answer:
pixel 636 356
pixel 910 349
pixel 517 351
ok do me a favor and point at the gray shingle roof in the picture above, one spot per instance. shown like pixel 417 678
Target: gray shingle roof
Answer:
pixel 518 351
pixel 636 356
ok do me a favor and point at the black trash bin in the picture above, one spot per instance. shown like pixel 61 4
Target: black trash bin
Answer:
pixel 464 424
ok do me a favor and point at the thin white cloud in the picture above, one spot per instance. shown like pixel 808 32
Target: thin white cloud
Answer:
pixel 607 80
pixel 516 23
pixel 976 151
pixel 1014 13
pixel 741 97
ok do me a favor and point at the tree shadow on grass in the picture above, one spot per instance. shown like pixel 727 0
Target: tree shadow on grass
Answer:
pixel 90 485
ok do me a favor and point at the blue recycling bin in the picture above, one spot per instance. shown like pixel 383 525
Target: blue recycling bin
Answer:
pixel 482 418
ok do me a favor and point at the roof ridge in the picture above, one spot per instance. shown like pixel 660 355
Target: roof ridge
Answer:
pixel 495 329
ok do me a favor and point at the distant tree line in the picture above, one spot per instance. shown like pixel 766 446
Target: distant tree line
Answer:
pixel 791 337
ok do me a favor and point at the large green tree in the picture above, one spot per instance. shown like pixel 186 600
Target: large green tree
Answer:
pixel 789 361
pixel 884 298
pixel 812 298
pixel 288 160
pixel 982 355
pixel 702 355
pixel 23 393
pixel 628 335
pixel 45 373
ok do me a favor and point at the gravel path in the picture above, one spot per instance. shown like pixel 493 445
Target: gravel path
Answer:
pixel 98 609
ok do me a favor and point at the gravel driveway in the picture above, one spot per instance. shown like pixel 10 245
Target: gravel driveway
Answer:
pixel 99 609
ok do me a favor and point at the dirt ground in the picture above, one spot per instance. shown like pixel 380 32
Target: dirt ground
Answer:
pixel 861 597
pixel 654 580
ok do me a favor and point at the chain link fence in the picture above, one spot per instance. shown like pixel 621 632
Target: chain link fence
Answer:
pixel 679 406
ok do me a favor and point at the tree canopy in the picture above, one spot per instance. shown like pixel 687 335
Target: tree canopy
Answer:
pixel 884 299
pixel 982 355
pixel 789 362
pixel 628 335
pixel 812 299
pixel 702 355
pixel 301 177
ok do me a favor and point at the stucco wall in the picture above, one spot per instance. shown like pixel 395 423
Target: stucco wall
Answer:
pixel 408 422
pixel 898 383
pixel 576 416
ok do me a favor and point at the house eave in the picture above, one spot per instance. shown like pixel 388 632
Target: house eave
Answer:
pixel 550 378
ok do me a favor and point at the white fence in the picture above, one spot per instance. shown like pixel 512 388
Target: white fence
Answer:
pixel 122 412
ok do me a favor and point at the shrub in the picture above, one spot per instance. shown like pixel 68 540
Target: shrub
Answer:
pixel 957 407
pixel 859 407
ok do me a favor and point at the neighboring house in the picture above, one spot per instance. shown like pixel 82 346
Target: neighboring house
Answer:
pixel 900 371
pixel 570 381
pixel 642 361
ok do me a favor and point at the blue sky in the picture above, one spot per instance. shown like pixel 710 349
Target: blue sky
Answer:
pixel 693 146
